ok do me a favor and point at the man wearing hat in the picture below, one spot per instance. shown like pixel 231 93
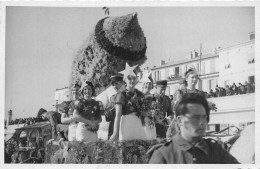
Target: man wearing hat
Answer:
pixel 118 84
pixel 164 112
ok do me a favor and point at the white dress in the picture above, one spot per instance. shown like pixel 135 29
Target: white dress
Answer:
pixel 130 124
pixel 83 134
pixel 131 128
pixel 72 131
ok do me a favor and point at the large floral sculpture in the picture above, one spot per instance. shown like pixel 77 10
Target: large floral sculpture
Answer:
pixel 114 41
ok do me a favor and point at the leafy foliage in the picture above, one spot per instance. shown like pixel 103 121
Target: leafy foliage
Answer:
pixel 105 152
pixel 114 41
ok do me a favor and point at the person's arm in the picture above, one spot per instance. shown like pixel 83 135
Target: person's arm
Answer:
pixel 53 122
pixel 117 122
pixel 79 118
pixel 65 118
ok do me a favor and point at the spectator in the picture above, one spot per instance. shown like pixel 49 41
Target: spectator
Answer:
pixel 228 91
pixel 253 87
pixel 241 89
pixel 248 87
pixel 211 93
pixel 217 91
pixel 235 89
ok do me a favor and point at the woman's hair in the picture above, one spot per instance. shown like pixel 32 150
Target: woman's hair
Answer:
pixel 189 71
pixel 195 98
pixel 88 83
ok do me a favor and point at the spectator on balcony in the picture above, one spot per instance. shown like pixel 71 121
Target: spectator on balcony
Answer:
pixel 241 89
pixel 217 92
pixel 228 91
pixel 234 89
pixel 253 87
pixel 248 87
pixel 211 93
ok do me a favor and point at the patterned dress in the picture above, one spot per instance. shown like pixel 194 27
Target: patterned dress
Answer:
pixel 130 123
pixel 90 110
pixel 149 127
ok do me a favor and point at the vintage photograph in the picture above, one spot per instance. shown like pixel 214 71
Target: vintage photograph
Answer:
pixel 129 84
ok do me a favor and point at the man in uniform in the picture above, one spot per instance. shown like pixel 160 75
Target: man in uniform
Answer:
pixel 188 146
pixel 165 114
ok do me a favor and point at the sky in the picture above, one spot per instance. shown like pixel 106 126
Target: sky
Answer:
pixel 41 42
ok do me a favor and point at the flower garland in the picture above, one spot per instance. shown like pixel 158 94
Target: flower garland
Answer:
pixel 104 152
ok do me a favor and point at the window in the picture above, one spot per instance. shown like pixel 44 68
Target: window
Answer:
pixel 212 84
pixel 203 68
pixel 177 71
pixel 212 66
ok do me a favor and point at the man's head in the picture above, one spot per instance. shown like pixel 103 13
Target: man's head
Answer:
pixel 40 112
pixel 192 113
pixel 44 115
pixel 117 81
pixel 161 86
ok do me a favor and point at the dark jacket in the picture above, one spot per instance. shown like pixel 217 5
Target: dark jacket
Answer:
pixel 179 151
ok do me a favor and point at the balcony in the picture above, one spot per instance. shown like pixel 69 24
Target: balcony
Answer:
pixel 174 77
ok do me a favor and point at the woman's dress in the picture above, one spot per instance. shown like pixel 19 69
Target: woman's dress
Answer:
pixel 73 125
pixel 130 124
pixel 88 109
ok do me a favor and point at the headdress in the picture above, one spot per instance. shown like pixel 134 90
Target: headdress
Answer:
pixel 128 71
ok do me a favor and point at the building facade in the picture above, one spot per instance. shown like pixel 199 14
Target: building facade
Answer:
pixel 224 66
pixel 62 94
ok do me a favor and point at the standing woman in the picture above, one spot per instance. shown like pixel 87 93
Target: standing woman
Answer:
pixel 88 113
pixel 127 125
pixel 68 117
pixel 149 126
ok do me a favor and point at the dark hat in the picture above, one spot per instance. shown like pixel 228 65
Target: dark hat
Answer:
pixel 116 78
pixel 161 83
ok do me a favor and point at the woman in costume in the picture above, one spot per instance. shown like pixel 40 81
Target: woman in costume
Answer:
pixel 88 113
pixel 149 126
pixel 128 125
pixel 67 114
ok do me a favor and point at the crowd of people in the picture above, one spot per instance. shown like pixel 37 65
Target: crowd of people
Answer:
pixel 26 121
pixel 233 89
pixel 135 114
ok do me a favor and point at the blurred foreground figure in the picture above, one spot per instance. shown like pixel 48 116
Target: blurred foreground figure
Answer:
pixel 244 148
pixel 189 146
